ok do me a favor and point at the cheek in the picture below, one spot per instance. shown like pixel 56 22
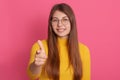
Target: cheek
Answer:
pixel 54 28
pixel 69 28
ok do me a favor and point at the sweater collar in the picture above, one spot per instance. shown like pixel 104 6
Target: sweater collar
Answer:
pixel 62 41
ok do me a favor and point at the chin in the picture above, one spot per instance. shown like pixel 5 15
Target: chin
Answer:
pixel 63 36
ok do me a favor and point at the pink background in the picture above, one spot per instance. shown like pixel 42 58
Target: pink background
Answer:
pixel 22 22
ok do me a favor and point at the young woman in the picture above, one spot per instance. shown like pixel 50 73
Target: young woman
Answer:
pixel 61 56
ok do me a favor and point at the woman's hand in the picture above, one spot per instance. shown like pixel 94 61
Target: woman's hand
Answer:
pixel 39 61
pixel 40 56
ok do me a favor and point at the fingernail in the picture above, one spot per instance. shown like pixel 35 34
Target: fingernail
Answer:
pixel 38 51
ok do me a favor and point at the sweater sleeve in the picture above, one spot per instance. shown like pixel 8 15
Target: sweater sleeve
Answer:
pixel 86 65
pixel 34 48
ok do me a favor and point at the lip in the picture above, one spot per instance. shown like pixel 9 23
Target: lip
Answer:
pixel 61 30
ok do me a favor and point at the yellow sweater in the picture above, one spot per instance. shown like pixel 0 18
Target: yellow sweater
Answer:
pixel 65 72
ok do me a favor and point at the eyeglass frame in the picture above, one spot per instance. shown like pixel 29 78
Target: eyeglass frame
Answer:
pixel 62 21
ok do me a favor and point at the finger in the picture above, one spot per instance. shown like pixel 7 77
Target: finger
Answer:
pixel 39 63
pixel 41 55
pixel 40 59
pixel 38 51
pixel 40 45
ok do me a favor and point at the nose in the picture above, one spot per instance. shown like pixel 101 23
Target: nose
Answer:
pixel 59 23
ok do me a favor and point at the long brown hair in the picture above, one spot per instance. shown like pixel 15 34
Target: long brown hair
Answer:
pixel 53 62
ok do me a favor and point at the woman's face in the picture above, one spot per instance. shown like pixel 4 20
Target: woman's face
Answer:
pixel 61 24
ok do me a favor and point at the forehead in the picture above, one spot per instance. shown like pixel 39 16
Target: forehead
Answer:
pixel 59 14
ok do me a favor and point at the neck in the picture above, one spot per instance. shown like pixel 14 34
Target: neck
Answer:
pixel 65 37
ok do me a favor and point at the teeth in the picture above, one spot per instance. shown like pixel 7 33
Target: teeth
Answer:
pixel 60 30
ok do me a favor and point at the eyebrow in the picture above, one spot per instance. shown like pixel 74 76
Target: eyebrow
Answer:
pixel 62 17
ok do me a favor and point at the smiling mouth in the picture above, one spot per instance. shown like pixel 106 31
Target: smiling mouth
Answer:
pixel 60 30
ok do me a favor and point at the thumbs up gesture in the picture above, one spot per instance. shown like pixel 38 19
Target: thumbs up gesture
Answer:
pixel 40 56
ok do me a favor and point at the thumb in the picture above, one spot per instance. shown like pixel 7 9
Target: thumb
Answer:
pixel 40 45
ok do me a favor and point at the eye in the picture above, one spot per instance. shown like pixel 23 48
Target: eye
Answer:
pixel 65 20
pixel 54 20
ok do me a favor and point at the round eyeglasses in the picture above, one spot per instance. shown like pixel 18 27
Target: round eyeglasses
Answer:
pixel 64 21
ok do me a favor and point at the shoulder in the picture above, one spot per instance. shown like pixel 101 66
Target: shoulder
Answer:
pixel 44 41
pixel 83 47
pixel 84 50
pixel 36 46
